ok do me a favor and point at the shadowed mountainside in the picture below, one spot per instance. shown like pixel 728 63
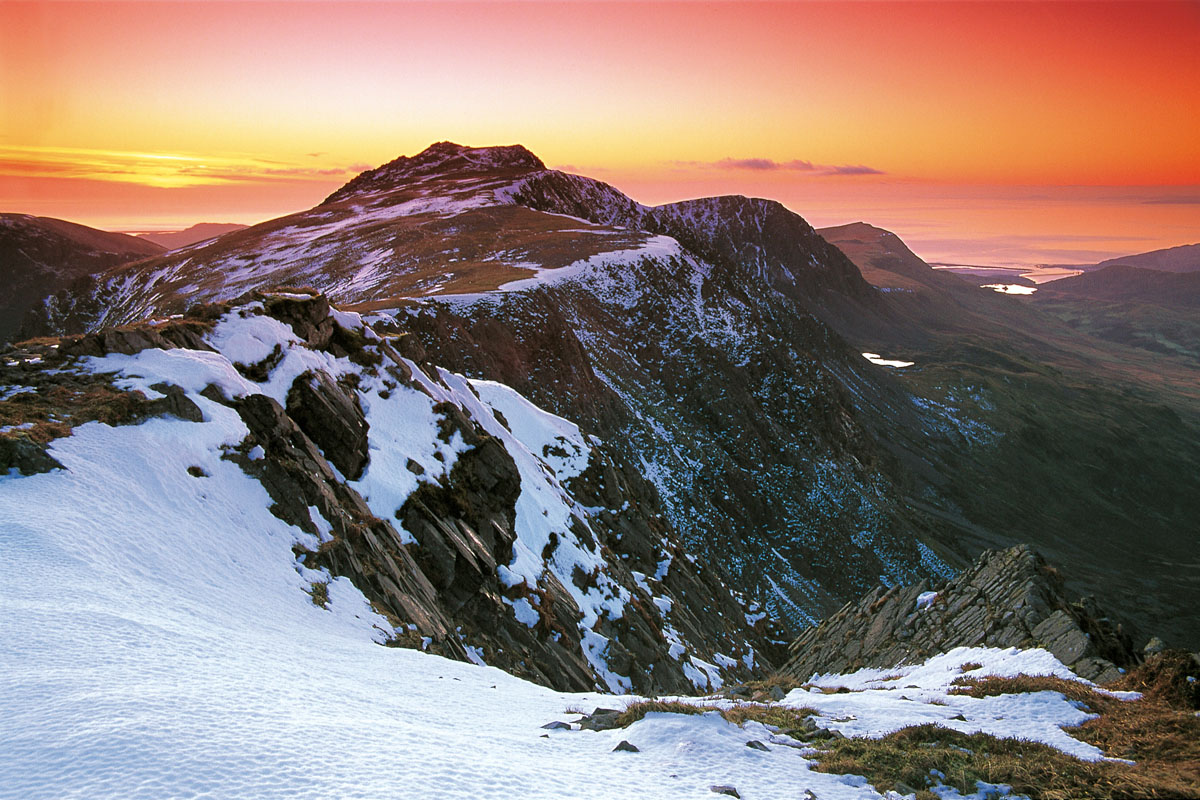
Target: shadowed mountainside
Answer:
pixel 41 255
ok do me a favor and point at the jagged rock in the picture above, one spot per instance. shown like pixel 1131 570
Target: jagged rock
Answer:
pixel 1009 598
pixel 625 747
pixel 754 744
pixel 136 338
pixel 365 548
pixel 724 789
pixel 333 418
pixel 556 726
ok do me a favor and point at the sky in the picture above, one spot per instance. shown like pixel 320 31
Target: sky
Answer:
pixel 981 132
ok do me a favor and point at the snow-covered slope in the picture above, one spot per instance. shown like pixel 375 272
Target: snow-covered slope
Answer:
pixel 482 526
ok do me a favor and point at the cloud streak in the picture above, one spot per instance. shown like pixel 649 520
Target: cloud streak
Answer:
pixel 162 170
pixel 771 165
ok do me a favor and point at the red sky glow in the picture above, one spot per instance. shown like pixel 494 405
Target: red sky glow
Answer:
pixel 994 132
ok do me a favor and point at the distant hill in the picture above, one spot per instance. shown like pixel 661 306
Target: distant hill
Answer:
pixel 202 231
pixel 1124 283
pixel 42 255
pixel 884 260
pixel 1185 258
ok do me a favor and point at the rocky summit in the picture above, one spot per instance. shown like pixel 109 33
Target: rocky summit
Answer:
pixel 1008 598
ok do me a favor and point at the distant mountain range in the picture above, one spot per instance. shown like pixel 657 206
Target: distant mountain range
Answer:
pixel 202 231
pixel 1185 258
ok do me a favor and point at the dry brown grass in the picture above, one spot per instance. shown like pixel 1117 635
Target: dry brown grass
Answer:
pixel 1036 770
pixel 991 686
pixel 781 717
pixel 54 411
pixel 784 682
pixel 1169 677
pixel 1160 732
pixel 319 592
pixel 638 709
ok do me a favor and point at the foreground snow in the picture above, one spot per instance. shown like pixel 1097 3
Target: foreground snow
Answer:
pixel 159 643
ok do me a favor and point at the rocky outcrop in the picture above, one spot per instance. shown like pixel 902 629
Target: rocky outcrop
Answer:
pixel 607 598
pixel 333 418
pixel 1009 598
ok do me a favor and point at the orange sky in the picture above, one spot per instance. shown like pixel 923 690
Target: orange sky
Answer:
pixel 130 115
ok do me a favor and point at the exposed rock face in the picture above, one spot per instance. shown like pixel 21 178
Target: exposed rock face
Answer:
pixel 757 447
pixel 333 418
pixel 1009 598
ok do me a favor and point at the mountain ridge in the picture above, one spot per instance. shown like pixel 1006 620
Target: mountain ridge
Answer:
pixel 716 346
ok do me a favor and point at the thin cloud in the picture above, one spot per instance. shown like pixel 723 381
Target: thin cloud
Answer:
pixel 854 169
pixel 771 165
pixel 1177 200
pixel 163 170
pixel 764 164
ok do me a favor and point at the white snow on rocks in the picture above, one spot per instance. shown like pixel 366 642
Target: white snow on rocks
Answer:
pixel 926 599
pixel 555 440
pixel 882 701
pixel 879 360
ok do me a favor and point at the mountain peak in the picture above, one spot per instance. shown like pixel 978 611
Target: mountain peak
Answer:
pixel 442 159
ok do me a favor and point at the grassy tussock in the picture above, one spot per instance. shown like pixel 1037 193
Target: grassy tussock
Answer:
pixel 991 686
pixel 784 682
pixel 779 716
pixel 1032 769
pixel 55 411
pixel 635 711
